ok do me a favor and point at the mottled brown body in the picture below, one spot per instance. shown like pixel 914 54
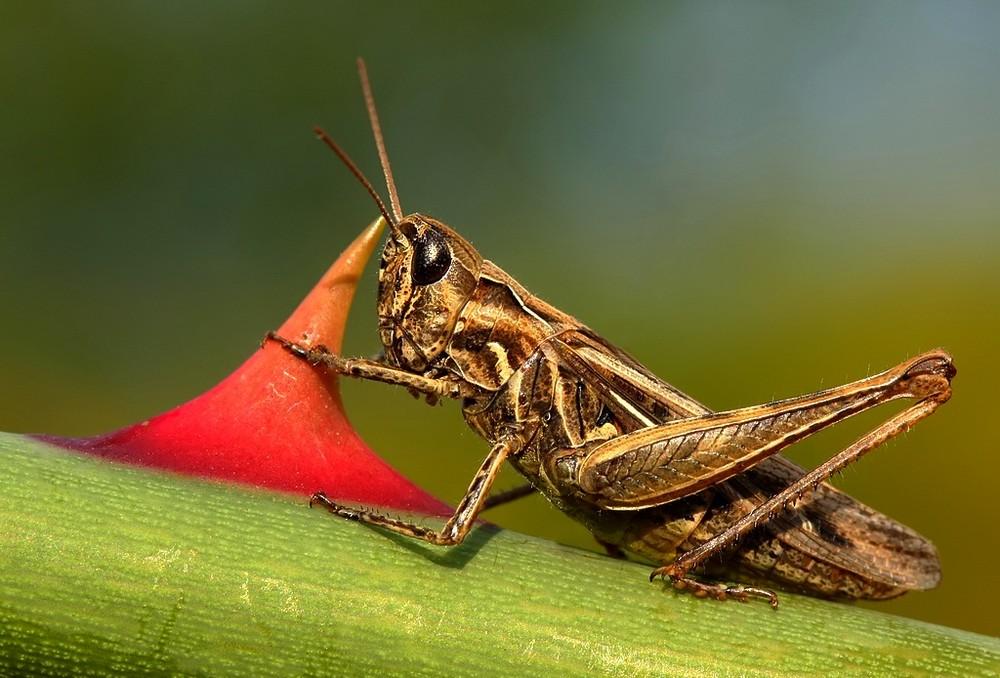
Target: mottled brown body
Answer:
pixel 511 346
pixel 646 468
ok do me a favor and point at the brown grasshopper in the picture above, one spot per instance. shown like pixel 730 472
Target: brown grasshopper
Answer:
pixel 647 469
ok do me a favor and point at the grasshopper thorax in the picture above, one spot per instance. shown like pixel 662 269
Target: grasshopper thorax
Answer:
pixel 426 275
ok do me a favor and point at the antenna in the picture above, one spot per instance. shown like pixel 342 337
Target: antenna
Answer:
pixel 346 159
pixel 379 140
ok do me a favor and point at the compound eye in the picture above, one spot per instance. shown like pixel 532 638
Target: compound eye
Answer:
pixel 431 258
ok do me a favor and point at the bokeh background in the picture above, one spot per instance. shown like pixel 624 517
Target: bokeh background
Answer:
pixel 757 199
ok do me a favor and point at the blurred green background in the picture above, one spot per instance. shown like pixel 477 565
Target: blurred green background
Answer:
pixel 756 199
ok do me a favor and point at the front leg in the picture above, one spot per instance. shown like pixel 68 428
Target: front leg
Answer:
pixel 363 368
pixel 458 526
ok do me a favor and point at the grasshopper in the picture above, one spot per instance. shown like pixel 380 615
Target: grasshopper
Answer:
pixel 650 471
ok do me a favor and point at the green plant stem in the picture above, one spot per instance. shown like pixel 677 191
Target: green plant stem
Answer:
pixel 109 569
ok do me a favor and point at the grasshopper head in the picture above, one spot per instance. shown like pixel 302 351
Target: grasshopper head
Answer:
pixel 426 275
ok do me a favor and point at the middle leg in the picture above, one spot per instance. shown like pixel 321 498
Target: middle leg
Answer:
pixel 458 526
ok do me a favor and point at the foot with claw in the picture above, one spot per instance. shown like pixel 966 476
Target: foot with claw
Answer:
pixel 717 591
pixel 315 355
pixel 332 507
